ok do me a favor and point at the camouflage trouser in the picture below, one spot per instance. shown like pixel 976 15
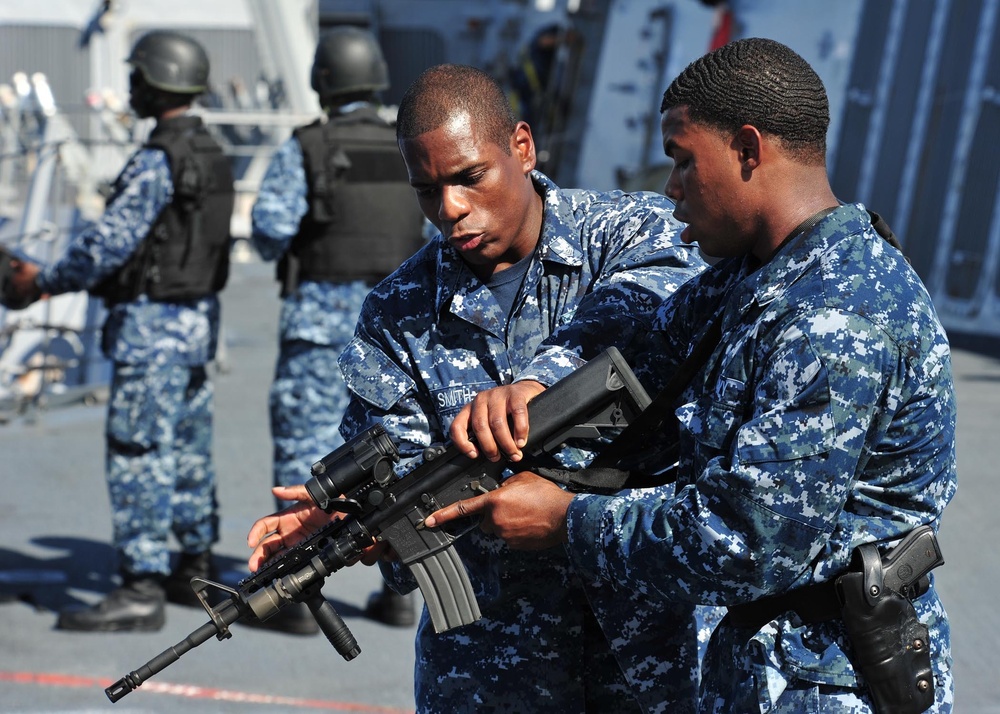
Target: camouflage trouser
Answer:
pixel 307 400
pixel 159 463
pixel 538 646
pixel 494 665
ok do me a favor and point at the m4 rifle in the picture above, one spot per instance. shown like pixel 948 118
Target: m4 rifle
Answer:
pixel 377 506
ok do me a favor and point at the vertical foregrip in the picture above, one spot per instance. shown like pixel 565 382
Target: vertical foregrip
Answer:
pixel 333 626
pixel 447 591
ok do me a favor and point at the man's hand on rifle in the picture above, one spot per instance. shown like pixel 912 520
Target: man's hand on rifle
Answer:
pixel 272 534
pixel 497 419
pixel 527 511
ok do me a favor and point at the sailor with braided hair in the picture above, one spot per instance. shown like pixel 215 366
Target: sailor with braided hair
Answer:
pixel 736 86
pixel 821 425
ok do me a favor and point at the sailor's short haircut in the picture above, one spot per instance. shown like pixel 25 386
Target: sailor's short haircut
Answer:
pixel 447 89
pixel 758 82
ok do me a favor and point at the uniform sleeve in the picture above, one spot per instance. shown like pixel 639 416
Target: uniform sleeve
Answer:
pixel 281 202
pixel 773 485
pixel 638 261
pixel 143 189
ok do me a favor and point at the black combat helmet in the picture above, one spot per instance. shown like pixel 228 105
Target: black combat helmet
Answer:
pixel 348 61
pixel 169 69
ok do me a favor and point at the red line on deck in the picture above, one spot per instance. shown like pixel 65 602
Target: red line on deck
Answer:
pixel 189 691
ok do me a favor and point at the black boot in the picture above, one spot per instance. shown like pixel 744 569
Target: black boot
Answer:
pixel 178 583
pixel 137 606
pixel 391 608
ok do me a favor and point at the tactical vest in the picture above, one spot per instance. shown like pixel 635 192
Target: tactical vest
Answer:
pixel 186 254
pixel 363 220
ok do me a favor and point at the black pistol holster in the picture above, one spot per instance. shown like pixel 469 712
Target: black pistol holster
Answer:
pixel 890 647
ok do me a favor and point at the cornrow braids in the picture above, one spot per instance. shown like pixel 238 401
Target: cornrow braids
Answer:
pixel 759 82
pixel 444 90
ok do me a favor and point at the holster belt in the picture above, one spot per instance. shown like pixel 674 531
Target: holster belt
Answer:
pixel 812 603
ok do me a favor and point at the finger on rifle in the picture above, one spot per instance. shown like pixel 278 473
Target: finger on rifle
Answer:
pixel 458 509
pixel 485 423
pixel 377 552
pixel 519 395
pixel 292 493
pixel 503 401
pixel 262 528
pixel 459 433
pixel 270 544
pixel 302 509
pixel 516 435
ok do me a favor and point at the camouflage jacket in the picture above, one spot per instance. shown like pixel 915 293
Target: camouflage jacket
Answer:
pixel 432 335
pixel 317 311
pixel 141 331
pixel 824 419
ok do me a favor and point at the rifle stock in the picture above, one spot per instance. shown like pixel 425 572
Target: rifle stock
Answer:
pixel 602 394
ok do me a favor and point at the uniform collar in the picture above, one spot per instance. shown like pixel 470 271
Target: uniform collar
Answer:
pixel 798 256
pixel 181 122
pixel 560 227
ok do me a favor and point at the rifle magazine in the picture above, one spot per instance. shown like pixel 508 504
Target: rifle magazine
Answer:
pixel 447 591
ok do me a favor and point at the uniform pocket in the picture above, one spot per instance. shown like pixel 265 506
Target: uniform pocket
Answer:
pixel 370 374
pixel 712 420
pixel 798 422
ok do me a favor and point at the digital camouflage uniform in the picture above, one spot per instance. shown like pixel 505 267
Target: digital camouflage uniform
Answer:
pixel 159 423
pixel 317 321
pixel 430 337
pixel 825 419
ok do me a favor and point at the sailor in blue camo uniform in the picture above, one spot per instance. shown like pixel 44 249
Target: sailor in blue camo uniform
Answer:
pixel 331 248
pixel 305 218
pixel 160 394
pixel 824 419
pixel 159 423
pixel 431 337
pixel 317 320
pixel 588 272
